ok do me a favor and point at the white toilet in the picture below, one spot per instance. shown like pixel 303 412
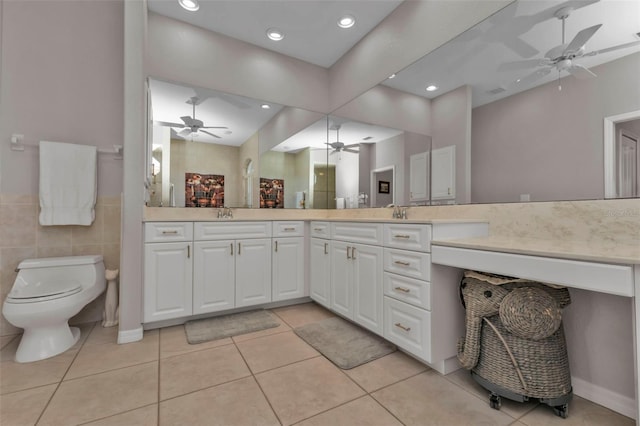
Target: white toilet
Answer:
pixel 45 295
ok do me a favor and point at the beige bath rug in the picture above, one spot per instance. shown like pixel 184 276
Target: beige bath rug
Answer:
pixel 207 329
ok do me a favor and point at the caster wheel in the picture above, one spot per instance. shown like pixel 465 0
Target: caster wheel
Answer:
pixel 495 401
pixel 561 410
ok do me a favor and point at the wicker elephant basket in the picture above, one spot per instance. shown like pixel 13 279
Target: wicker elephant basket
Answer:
pixel 514 344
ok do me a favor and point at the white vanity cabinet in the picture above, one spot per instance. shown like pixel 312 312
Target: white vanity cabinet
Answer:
pixel 168 259
pixel 320 264
pixel 241 252
pixel 356 273
pixel 288 275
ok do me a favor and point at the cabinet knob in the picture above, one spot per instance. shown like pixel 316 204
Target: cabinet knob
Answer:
pixel 276 246
pixel 348 252
pixel 353 252
pixel 239 248
pixel 326 245
pixel 400 326
pixel 231 247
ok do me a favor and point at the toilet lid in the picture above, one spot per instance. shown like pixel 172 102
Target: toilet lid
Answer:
pixel 43 291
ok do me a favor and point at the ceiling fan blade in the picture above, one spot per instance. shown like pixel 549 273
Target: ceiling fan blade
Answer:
pixel 185 132
pixel 523 65
pixel 580 72
pixel 213 127
pixel 167 124
pixel 581 39
pixel 211 134
pixel 354 151
pixel 521 47
pixel 534 76
pixel 353 145
pixel 188 121
pixel 612 48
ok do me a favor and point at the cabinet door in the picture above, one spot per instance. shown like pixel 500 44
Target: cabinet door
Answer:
pixel 167 281
pixel 214 276
pixel 367 286
pixel 419 177
pixel 320 278
pixel 341 270
pixel 287 279
pixel 253 272
pixel 443 173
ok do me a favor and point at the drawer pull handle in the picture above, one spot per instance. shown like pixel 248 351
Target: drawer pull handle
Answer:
pixel 239 248
pixel 353 252
pixel 326 245
pixel 399 325
pixel 402 289
pixel 406 237
pixel 289 229
pixel 348 252
pixel 169 232
pixel 318 229
pixel 231 246
pixel 276 246
pixel 188 252
pixel 400 262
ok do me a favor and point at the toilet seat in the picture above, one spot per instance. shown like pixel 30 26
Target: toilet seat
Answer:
pixel 43 291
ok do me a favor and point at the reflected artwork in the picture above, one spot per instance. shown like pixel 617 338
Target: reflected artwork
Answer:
pixel 271 193
pixel 203 190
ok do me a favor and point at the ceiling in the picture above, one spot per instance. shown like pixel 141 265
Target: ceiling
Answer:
pixel 310 26
pixel 526 29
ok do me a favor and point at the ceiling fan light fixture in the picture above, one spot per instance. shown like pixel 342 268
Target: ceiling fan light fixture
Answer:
pixel 275 34
pixel 432 88
pixel 346 21
pixel 190 5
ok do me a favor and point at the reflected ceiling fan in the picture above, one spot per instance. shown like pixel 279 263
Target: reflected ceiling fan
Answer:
pixel 340 146
pixel 564 57
pixel 191 125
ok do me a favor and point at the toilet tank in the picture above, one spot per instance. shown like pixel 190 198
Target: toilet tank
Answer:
pixel 87 270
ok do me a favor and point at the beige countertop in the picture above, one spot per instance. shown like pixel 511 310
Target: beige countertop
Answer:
pixel 594 251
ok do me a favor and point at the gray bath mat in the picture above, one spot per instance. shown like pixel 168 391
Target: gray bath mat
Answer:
pixel 204 330
pixel 343 343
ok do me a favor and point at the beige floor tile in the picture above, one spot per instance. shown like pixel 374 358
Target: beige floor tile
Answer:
pixel 101 335
pixel 145 416
pixel 268 332
pixel 515 409
pixel 385 371
pixel 304 389
pixel 97 358
pixel 236 403
pixel 430 399
pixel 102 395
pixel 173 341
pixel 5 340
pixel 198 370
pixel 24 407
pixel 581 412
pixel 274 351
pixel 305 313
pixel 361 412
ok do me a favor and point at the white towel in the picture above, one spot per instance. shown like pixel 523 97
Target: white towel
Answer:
pixel 68 183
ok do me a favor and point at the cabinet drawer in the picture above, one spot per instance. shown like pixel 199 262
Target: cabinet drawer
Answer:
pixel 408 290
pixel 407 236
pixel 204 231
pixel 288 229
pixel 166 232
pixel 408 263
pixel 408 327
pixel 366 233
pixel 320 229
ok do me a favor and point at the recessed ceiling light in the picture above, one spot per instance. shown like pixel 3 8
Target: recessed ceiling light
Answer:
pixel 275 34
pixel 265 106
pixel 190 5
pixel 346 21
pixel 431 88
pixel 392 76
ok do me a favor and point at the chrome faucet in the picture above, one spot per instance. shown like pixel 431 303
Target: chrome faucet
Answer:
pixel 225 213
pixel 399 212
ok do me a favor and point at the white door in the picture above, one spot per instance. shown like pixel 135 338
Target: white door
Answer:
pixel 627 165
pixel 419 177
pixel 167 281
pixel 341 271
pixel 287 279
pixel 320 275
pixel 443 173
pixel 253 272
pixel 214 276
pixel 367 286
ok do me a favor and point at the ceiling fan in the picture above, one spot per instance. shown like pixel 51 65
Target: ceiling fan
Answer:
pixel 340 146
pixel 191 125
pixel 563 57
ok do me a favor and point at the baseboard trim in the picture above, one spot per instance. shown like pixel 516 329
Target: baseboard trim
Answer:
pixel 129 336
pixel 614 401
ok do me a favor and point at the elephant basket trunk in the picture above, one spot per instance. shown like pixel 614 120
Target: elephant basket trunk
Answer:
pixel 521 351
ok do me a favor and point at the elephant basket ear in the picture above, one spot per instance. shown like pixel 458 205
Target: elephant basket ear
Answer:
pixel 530 313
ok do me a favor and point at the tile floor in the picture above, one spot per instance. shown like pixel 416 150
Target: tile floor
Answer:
pixel 271 377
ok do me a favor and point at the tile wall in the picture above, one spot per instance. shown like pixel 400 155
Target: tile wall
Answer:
pixel 22 237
